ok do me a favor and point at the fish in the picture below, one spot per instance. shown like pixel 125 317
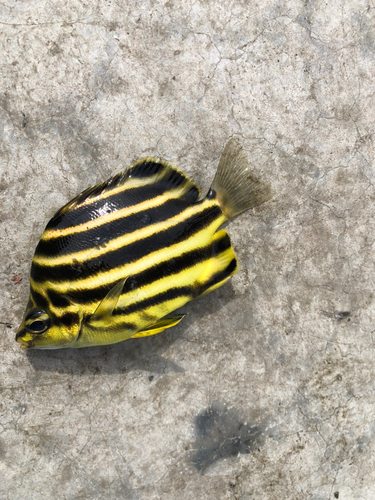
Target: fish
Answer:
pixel 120 258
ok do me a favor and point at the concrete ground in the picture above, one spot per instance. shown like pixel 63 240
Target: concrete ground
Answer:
pixel 266 390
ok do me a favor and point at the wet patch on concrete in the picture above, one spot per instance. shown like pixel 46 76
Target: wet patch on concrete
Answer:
pixel 223 432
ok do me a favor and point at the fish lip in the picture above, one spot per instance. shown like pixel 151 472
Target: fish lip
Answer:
pixel 24 344
pixel 19 334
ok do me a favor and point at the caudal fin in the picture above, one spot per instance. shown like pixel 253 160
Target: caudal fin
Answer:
pixel 234 186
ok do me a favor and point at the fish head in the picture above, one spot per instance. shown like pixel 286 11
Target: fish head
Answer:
pixel 41 329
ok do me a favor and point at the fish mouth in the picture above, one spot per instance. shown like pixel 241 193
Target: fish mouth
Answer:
pixel 25 344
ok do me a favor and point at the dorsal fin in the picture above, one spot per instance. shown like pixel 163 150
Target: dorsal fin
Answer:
pixel 165 172
pixel 94 191
pixel 145 171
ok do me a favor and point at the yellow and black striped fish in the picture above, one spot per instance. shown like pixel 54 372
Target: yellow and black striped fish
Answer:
pixel 118 259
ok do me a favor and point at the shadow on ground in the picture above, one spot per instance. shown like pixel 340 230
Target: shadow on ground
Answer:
pixel 133 354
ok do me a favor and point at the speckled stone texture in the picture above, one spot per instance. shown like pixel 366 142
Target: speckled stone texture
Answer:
pixel 266 390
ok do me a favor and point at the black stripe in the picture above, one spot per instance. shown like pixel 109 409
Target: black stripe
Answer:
pixel 67 320
pixel 170 294
pixel 130 253
pixel 220 245
pixel 145 169
pixel 149 275
pixel 220 276
pixel 100 236
pixel 90 296
pixel 58 299
pixel 102 206
pixel 172 177
pixel 39 300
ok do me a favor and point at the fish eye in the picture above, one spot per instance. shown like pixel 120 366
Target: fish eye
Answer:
pixel 37 321
pixel 37 326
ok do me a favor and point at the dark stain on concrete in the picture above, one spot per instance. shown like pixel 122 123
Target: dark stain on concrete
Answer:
pixel 222 432
pixel 21 408
pixel 337 315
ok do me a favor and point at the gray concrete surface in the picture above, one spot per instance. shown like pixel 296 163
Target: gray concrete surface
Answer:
pixel 266 390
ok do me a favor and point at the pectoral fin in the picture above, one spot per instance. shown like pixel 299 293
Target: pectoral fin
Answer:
pixel 159 326
pixel 106 307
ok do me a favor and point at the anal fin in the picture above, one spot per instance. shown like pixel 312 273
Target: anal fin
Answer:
pixel 160 325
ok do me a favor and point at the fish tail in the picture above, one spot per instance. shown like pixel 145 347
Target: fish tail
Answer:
pixel 234 186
